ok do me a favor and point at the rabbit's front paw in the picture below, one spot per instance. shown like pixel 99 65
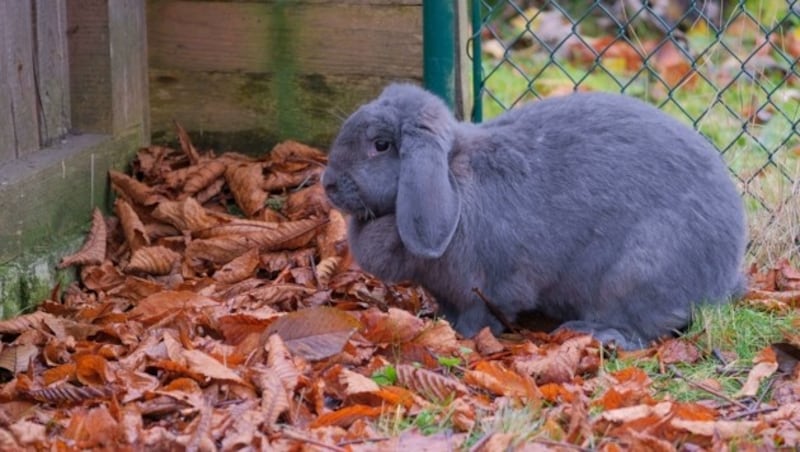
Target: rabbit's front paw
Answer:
pixel 606 334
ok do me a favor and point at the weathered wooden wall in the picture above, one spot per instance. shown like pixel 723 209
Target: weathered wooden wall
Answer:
pixel 245 74
pixel 73 104
pixel 34 99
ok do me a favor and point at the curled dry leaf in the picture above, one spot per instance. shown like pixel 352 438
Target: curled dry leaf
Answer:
pixel 290 156
pixel 310 201
pixel 132 189
pixel 486 343
pixel 153 260
pixel 93 251
pixel 245 182
pixel 17 358
pixel 203 175
pixel 17 325
pixel 280 363
pixel 92 370
pixel 239 268
pixel 186 144
pixel 326 268
pixel 559 364
pixel 275 399
pixel 279 181
pixel 135 232
pixel 186 215
pixel 221 249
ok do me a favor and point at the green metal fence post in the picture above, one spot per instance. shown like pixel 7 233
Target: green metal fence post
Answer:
pixel 477 71
pixel 439 48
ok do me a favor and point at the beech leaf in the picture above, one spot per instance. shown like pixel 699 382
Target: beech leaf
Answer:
pixel 315 333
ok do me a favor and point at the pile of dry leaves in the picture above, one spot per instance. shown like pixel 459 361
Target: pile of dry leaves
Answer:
pixel 219 310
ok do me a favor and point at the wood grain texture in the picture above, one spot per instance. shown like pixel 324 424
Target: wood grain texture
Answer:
pixel 52 69
pixel 89 65
pixel 8 148
pixel 16 49
pixel 128 41
pixel 330 38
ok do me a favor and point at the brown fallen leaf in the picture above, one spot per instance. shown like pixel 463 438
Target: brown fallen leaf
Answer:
pixel 429 384
pixel 315 333
pixel 202 176
pixel 153 260
pixel 244 181
pixel 93 251
pixel 206 365
pixel 186 144
pixel 500 380
pixel 240 268
pixel 133 190
pixel 766 365
pixel 135 232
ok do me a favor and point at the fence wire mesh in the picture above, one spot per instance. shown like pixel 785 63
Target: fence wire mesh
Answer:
pixel 729 69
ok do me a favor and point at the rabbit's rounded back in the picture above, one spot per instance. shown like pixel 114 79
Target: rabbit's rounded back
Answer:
pixel 593 209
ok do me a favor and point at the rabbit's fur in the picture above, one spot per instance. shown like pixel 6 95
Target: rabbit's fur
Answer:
pixel 596 210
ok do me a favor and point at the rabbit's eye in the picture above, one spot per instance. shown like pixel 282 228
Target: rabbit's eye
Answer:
pixel 382 145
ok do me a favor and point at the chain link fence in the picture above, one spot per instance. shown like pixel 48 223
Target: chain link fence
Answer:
pixel 729 69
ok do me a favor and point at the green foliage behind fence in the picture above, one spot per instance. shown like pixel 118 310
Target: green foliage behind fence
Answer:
pixel 729 69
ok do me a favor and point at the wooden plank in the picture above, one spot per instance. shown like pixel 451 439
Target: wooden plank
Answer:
pixel 89 65
pixel 8 147
pixel 49 195
pixel 52 69
pixel 128 39
pixel 222 105
pixel 326 38
pixel 17 52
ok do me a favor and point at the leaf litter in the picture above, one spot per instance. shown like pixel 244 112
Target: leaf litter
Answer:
pixel 220 309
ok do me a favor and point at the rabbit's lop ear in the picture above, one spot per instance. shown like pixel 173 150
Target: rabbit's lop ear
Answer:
pixel 428 203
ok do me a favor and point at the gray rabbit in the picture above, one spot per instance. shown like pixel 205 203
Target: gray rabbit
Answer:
pixel 595 210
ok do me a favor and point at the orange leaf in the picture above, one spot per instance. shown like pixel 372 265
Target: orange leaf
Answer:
pixel 395 327
pixel 63 372
pixel 498 379
pixel 92 370
pixel 346 416
pixel 93 251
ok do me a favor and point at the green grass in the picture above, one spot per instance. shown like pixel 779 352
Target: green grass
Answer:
pixel 738 332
